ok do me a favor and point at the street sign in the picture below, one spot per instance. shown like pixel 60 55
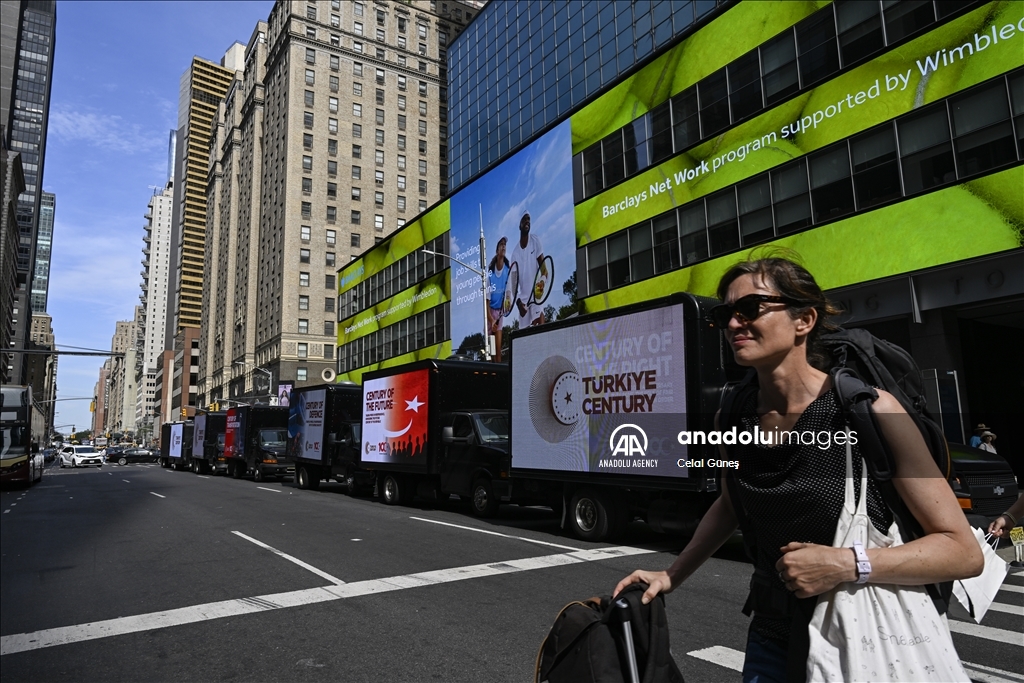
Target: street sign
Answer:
pixel 1017 536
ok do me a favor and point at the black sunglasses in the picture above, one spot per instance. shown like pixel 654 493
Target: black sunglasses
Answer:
pixel 745 309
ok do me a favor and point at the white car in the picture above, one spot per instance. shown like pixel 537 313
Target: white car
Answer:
pixel 80 456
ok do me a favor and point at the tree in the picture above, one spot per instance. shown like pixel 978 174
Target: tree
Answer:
pixel 573 307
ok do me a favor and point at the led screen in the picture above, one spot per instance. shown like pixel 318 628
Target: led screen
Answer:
pixel 306 424
pixel 198 435
pixel 607 396
pixel 234 434
pixel 176 435
pixel 395 411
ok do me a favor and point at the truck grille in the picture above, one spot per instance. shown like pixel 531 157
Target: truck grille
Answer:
pixel 1004 479
pixel 984 499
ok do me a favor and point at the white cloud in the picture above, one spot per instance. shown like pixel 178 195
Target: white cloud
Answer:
pixel 106 131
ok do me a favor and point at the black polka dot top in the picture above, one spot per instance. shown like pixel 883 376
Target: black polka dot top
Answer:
pixel 795 492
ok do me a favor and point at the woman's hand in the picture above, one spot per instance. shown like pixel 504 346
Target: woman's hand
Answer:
pixel 659 582
pixel 1000 526
pixel 809 569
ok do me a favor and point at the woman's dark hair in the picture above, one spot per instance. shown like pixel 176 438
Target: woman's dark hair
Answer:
pixel 780 269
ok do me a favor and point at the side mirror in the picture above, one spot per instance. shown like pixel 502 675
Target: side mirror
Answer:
pixel 331 439
pixel 447 435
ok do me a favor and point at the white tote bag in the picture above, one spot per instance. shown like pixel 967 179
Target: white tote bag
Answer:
pixel 976 594
pixel 876 632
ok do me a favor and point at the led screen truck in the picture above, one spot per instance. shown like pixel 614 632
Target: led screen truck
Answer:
pixel 176 445
pixel 324 424
pixel 208 443
pixel 254 442
pixel 435 428
pixel 599 407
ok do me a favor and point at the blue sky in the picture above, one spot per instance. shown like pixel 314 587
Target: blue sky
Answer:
pixel 114 101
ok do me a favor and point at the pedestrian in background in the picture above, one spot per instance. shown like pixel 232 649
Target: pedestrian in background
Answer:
pixel 987 438
pixel 976 437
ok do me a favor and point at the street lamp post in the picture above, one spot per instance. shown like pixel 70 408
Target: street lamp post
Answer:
pixel 488 344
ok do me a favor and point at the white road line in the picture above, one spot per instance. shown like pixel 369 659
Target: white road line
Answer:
pixel 494 533
pixel 969 628
pixel 7 510
pixel 986 674
pixel 23 642
pixel 1007 609
pixel 266 489
pixel 1013 588
pixel 126 481
pixel 722 656
pixel 158 495
pixel 336 581
pixel 199 476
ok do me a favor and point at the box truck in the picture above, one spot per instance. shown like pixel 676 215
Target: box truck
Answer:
pixel 323 436
pixel 599 407
pixel 208 442
pixel 435 428
pixel 254 442
pixel 176 445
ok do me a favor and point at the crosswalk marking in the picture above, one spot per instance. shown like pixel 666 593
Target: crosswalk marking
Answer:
pixel 723 656
pixel 969 628
pixel 1007 609
pixel 988 674
pixel 1013 588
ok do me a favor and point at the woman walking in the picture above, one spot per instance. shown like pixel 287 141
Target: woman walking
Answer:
pixel 793 493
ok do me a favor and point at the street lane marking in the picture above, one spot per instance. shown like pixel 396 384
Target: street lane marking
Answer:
pixel 988 674
pixel 126 481
pixel 23 642
pixel 494 533
pixel 266 489
pixel 158 495
pixel 1007 609
pixel 1012 588
pixel 199 476
pixel 1000 635
pixel 336 581
pixel 722 656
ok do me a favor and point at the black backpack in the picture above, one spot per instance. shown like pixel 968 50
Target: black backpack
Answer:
pixel 862 362
pixel 587 642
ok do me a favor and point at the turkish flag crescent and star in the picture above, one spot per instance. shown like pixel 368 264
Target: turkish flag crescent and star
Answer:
pixel 405 425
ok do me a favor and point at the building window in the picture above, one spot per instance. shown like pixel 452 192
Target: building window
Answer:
pixel 336 21
pixel 328 282
pixel 982 129
pixel 357 151
pixel 357 46
pixel 303 349
pixel 380 54
pixel 379 96
pixel 423 146
pixel 332 168
pixel 300 374
pixel 401 122
pixel 357 173
pixel 380 35
pixel 422 205
pixel 876 172
pixel 380 117
pixel 333 83
pixel 378 222
pixel 401 162
pixel 355 240
pixel 332 104
pixel 357 69
pixel 303 326
pixel 356 194
pixel 328 326
pixel 357 130
pixel 356 217
pixel 925 149
pixel 400 200
pixel 357 9
pixel 378 199
pixel 310 56
pixel 307 163
pixel 379 136
pixel 423 167
pixel 332 214
pixel 307 119
pixel 304 233
pixel 332 190
pixel 401 82
pixel 401 182
pixel 335 63
pixel 378 177
pixel 423 89
pixel 380 76
pixel 307 141
pixel 357 110
pixel 307 185
pixel 421 31
pixel 357 28
pixel 332 147
pixel 307 209
pixel 303 302
pixel 423 187
pixel 303 255
pixel 310 76
pixel 401 24
pixel 401 142
pixel 329 258
pixel 422 127
pixel 332 237
pixel 378 157
pixel 303 279
pixel 401 102
pixel 831 188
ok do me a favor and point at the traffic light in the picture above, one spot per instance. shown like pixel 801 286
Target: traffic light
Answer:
pixel 184 412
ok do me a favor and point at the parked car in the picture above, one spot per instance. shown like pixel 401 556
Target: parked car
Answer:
pixel 127 455
pixel 49 455
pixel 80 456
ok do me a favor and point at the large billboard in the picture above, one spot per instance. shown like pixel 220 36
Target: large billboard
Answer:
pixel 198 435
pixel 524 208
pixel 234 434
pixel 606 397
pixel 395 411
pixel 176 437
pixel 306 424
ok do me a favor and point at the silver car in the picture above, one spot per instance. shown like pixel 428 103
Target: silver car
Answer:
pixel 80 456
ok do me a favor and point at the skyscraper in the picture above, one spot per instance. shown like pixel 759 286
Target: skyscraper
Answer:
pixel 26 67
pixel 44 244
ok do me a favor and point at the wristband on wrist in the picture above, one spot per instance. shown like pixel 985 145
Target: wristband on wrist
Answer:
pixel 1013 522
pixel 863 563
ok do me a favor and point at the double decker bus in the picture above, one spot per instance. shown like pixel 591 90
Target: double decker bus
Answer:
pixel 20 460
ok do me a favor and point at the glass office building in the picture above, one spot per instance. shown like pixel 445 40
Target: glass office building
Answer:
pixel 881 141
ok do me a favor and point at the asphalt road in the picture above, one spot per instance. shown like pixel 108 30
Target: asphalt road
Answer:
pixel 140 573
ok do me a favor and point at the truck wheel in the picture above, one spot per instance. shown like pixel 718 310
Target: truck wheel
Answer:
pixel 396 490
pixel 237 470
pixel 122 461
pixel 305 480
pixel 258 475
pixel 592 515
pixel 351 488
pixel 483 501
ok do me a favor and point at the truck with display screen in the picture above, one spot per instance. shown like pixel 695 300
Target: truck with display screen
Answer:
pixel 438 427
pixel 324 424
pixel 208 443
pixel 20 460
pixel 176 445
pixel 599 407
pixel 255 440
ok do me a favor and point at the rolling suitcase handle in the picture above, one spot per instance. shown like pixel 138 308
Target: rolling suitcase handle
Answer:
pixel 627 632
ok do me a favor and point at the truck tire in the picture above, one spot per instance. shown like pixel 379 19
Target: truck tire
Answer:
pixel 122 461
pixel 483 502
pixel 257 474
pixel 305 478
pixel 593 515
pixel 237 470
pixel 396 489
